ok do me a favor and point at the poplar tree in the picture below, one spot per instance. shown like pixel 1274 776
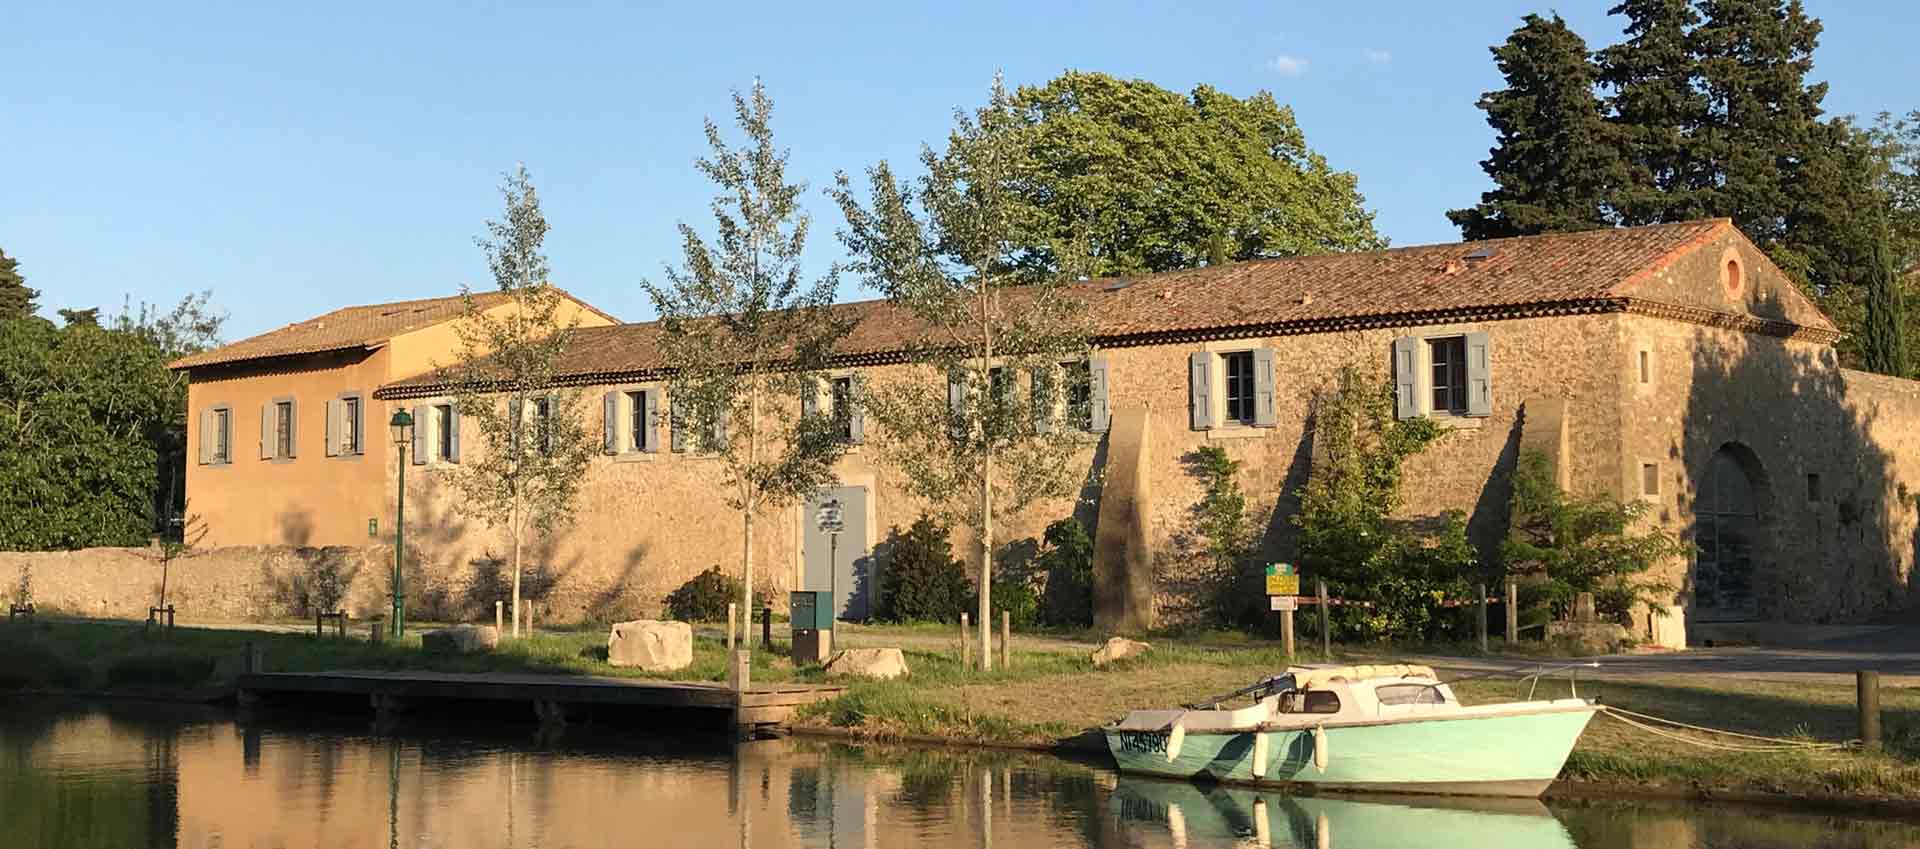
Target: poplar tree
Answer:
pixel 945 250
pixel 1884 347
pixel 1556 164
pixel 534 440
pixel 746 336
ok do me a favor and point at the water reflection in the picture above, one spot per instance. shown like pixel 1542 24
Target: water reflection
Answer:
pixel 80 778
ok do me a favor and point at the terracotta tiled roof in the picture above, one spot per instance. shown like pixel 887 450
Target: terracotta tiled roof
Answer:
pixel 1549 273
pixel 346 328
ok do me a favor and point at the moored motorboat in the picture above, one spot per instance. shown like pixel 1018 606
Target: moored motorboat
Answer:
pixel 1390 728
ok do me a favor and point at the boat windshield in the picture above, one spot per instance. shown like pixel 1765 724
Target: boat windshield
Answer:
pixel 1310 701
pixel 1409 694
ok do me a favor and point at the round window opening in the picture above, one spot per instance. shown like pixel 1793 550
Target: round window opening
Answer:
pixel 1730 277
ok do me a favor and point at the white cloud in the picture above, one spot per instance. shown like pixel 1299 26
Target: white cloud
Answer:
pixel 1376 56
pixel 1286 66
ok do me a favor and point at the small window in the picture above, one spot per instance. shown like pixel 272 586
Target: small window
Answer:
pixel 283 429
pixel 1310 701
pixel 222 435
pixel 1730 277
pixel 1646 370
pixel 443 431
pixel 1813 486
pixel 1079 400
pixel 637 420
pixel 1409 694
pixel 842 390
pixel 350 438
pixel 543 426
pixel 1239 386
pixel 1449 374
pixel 1649 479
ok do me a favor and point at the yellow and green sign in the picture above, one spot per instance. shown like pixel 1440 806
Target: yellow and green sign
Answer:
pixel 1282 579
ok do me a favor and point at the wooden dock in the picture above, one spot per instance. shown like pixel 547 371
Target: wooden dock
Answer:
pixel 551 697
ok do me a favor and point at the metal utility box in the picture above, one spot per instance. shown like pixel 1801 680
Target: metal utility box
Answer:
pixel 812 610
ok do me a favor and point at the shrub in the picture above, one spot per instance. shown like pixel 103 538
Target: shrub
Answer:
pixel 1579 544
pixel 923 582
pixel 160 669
pixel 1014 595
pixel 705 597
pixel 1067 562
pixel 32 665
pixel 23 590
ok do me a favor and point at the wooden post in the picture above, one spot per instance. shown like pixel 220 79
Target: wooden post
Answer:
pixel 317 632
pixel 499 618
pixel 340 625
pixel 1006 638
pixel 1326 620
pixel 733 625
pixel 766 627
pixel 1481 601
pixel 377 633
pixel 966 646
pixel 1513 614
pixel 1868 699
pixel 740 671
pixel 1286 632
pixel 529 617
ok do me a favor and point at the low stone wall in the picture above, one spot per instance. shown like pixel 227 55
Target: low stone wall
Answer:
pixel 238 583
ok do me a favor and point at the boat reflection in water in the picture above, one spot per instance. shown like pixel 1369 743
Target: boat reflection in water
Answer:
pixel 1197 816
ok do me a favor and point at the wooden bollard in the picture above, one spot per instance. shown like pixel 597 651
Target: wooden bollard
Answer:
pixel 740 671
pixel 1868 700
pixel 1006 638
pixel 733 625
pixel 1326 620
pixel 377 633
pixel 499 618
pixel 966 645
pixel 1286 632
pixel 1513 614
pixel 1480 594
pixel 529 617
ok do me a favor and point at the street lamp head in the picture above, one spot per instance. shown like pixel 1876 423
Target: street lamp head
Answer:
pixel 402 427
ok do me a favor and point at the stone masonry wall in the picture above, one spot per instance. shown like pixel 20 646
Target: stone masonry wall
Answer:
pixel 231 584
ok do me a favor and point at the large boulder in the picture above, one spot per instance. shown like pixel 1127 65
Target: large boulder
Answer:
pixel 651 645
pixel 1589 637
pixel 1118 648
pixel 461 639
pixel 881 664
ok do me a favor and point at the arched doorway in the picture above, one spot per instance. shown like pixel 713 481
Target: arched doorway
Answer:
pixel 1727 535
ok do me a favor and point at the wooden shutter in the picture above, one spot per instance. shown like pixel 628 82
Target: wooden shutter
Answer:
pixel 206 437
pixel 423 435
pixel 678 426
pixel 810 397
pixel 516 423
pixel 293 425
pixel 1263 404
pixel 359 429
pixel 650 419
pixel 1200 388
pixel 453 434
pixel 957 403
pixel 718 440
pixel 336 417
pixel 1479 375
pixel 1098 411
pixel 266 432
pixel 1406 395
pixel 1041 393
pixel 610 423
pixel 857 409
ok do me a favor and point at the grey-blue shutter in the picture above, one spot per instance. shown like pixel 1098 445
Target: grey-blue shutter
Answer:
pixel 857 408
pixel 336 415
pixel 1098 410
pixel 1041 396
pixel 293 428
pixel 423 433
pixel 1263 412
pixel 1479 375
pixel 718 442
pixel 359 431
pixel 610 423
pixel 266 432
pixel 1406 397
pixel 957 403
pixel 516 423
pixel 1200 388
pixel 453 439
pixel 651 419
pixel 678 425
pixel 206 437
pixel 810 397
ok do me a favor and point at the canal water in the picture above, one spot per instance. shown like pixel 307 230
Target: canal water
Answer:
pixel 122 776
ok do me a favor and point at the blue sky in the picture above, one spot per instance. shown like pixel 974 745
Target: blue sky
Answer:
pixel 301 158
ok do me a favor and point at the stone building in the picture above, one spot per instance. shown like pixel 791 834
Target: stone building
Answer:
pixel 1671 363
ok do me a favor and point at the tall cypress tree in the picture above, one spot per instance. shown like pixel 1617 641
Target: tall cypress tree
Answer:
pixel 1657 108
pixel 16 300
pixel 1555 163
pixel 1883 346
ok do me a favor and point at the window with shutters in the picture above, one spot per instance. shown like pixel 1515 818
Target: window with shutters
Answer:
pixel 841 392
pixel 1238 372
pixel 351 440
pixel 1079 394
pixel 283 430
pixel 222 436
pixel 1449 382
pixel 443 427
pixel 637 421
pixel 543 426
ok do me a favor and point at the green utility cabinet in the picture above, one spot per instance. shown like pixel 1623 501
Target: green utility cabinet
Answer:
pixel 812 617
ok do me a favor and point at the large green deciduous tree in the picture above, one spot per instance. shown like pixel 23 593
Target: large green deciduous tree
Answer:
pixel 946 250
pixel 1555 166
pixel 534 441
pixel 747 337
pixel 1124 176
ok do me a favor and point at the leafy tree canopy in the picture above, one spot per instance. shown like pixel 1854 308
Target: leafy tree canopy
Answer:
pixel 16 300
pixel 1127 177
pixel 1583 543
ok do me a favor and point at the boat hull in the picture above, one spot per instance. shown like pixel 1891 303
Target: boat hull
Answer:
pixel 1515 754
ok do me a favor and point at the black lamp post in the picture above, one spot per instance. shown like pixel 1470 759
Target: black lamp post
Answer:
pixel 402 425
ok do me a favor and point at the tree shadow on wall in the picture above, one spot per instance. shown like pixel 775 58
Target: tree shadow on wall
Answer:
pixel 1830 531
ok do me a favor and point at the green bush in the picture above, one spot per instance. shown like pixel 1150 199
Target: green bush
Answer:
pixel 1067 562
pixel 706 596
pixel 1014 595
pixel 923 582
pixel 160 669
pixel 31 665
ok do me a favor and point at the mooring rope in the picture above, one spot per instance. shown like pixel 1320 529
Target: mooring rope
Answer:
pixel 1764 744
